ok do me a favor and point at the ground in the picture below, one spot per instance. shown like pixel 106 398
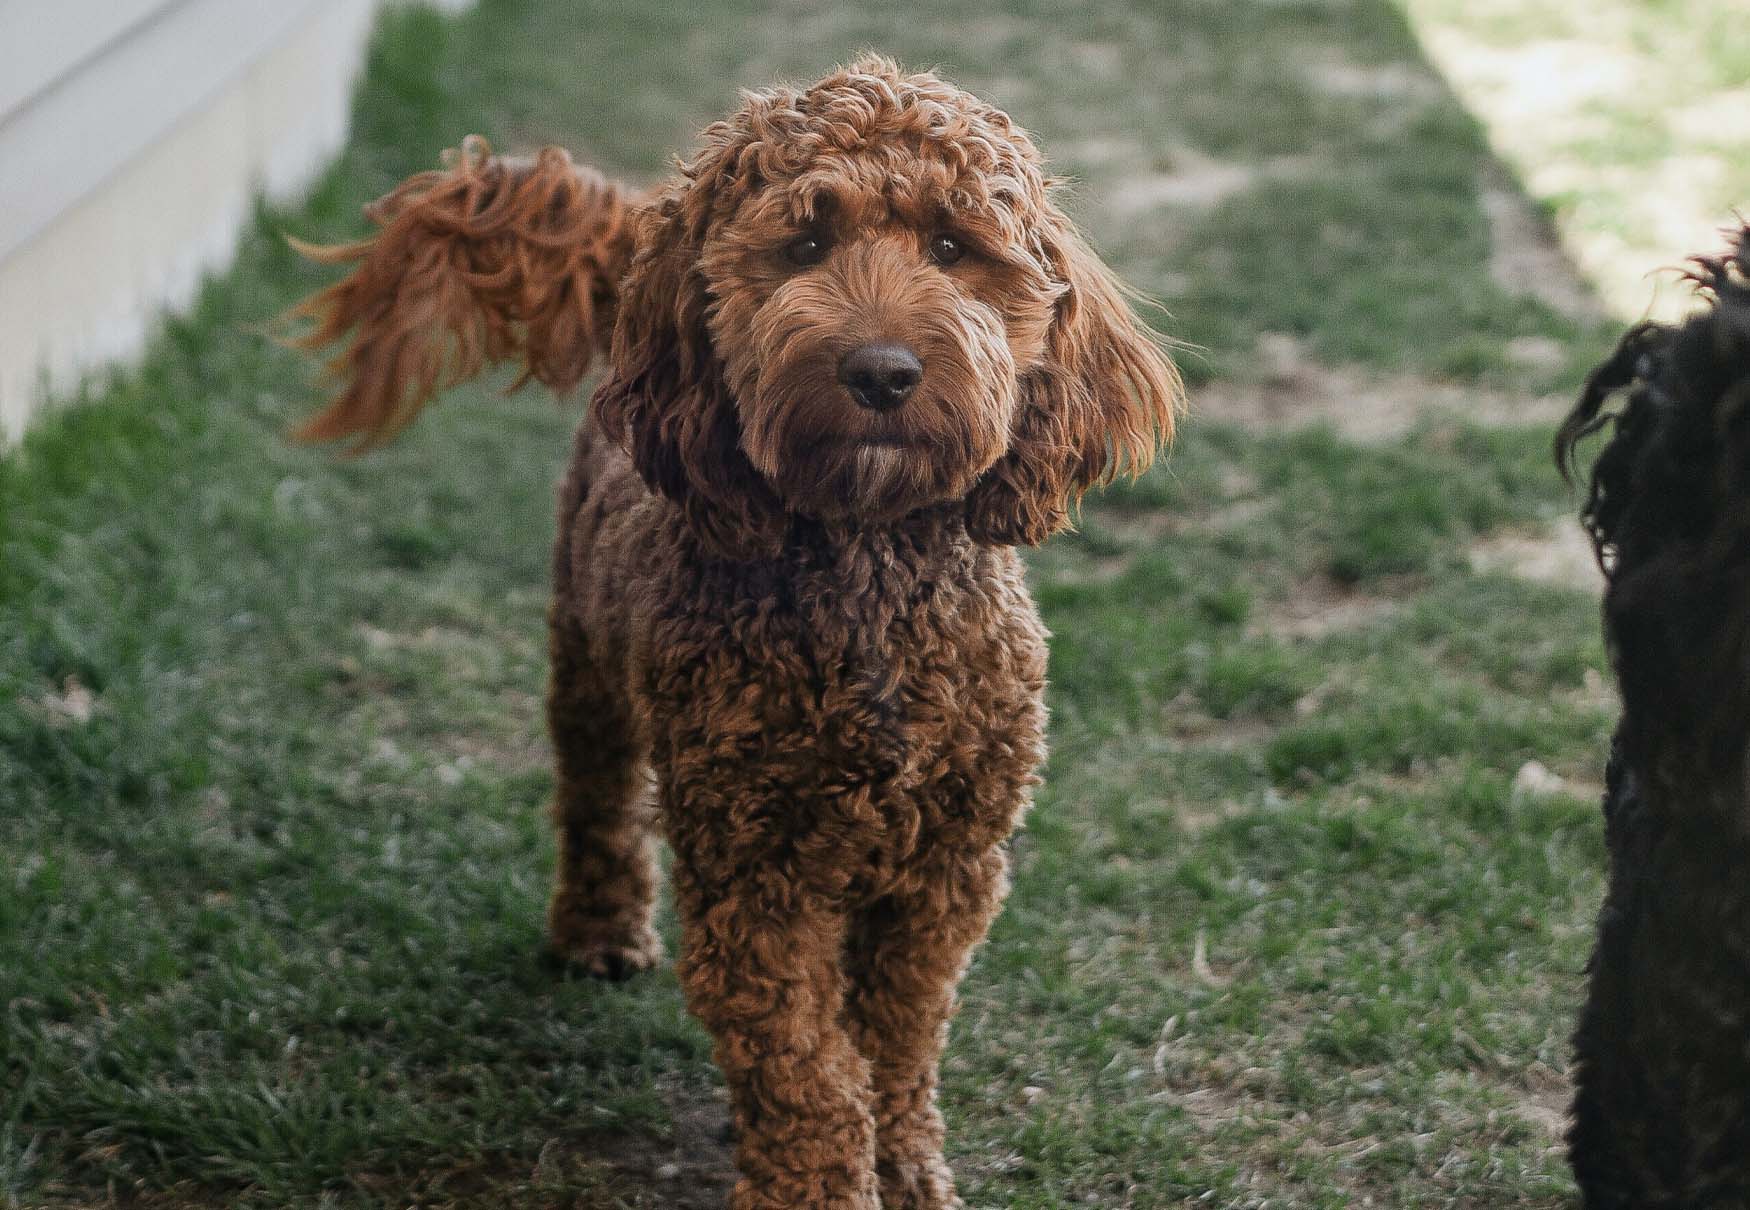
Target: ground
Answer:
pixel 1301 915
pixel 1630 118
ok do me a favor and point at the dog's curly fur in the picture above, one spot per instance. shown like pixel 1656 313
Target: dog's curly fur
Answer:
pixel 492 260
pixel 804 616
pixel 1662 1110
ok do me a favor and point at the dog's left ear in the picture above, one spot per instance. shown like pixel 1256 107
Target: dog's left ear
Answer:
pixel 1101 403
pixel 664 400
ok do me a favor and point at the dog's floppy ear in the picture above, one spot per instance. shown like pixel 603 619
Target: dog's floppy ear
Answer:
pixel 1100 404
pixel 665 400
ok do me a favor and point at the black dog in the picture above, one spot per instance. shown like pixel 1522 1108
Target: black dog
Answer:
pixel 1662 1111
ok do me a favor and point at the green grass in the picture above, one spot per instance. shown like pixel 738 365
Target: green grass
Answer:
pixel 272 863
pixel 1645 114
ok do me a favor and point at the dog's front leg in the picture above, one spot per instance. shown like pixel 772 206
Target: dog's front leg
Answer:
pixel 761 969
pixel 906 955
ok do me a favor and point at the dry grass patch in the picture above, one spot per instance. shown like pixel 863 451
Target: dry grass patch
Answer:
pixel 1561 556
pixel 1290 389
pixel 1320 606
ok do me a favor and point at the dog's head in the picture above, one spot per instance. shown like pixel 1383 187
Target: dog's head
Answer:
pixel 1668 509
pixel 859 300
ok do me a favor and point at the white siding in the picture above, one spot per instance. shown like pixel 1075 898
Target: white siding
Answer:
pixel 134 135
pixel 41 43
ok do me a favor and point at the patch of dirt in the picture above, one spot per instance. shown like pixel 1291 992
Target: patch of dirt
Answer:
pixel 516 741
pixel 1331 71
pixel 1208 734
pixel 1534 780
pixel 1543 353
pixel 1562 557
pixel 692 1170
pixel 1191 179
pixel 1098 60
pixel 73 706
pixel 1542 1099
pixel 1194 820
pixel 1235 514
pixel 1526 258
pixel 1294 391
pixel 1321 606
pixel 1144 527
pixel 1097 151
pixel 1594 692
pixel 1236 504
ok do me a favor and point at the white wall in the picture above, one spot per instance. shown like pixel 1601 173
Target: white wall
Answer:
pixel 134 136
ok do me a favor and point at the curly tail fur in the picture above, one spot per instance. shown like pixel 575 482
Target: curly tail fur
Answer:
pixel 490 259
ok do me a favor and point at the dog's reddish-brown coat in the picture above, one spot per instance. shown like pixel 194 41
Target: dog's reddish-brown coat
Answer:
pixel 839 757
pixel 807 621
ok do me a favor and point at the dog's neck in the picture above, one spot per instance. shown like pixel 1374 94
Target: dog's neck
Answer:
pixel 935 534
pixel 856 579
pixel 861 591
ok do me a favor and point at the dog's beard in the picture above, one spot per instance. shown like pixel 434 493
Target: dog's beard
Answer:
pixel 835 477
pixel 830 458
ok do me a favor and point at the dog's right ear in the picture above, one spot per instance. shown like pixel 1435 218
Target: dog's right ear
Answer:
pixel 665 400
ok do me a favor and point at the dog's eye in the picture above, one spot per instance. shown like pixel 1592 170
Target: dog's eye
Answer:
pixel 945 249
pixel 805 250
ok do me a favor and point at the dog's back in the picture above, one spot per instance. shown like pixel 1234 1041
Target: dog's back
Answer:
pixel 1662 1113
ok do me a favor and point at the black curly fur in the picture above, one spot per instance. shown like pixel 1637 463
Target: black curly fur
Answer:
pixel 1662 1107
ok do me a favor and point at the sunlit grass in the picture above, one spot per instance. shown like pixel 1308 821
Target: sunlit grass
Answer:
pixel 1629 119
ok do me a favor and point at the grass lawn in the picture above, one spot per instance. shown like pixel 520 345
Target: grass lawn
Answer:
pixel 1289 927
pixel 1630 119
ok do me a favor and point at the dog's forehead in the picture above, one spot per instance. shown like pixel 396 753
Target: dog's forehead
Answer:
pixel 878 184
pixel 852 108
pixel 855 111
pixel 876 143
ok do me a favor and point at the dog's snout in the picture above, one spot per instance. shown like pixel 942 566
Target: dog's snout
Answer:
pixel 880 376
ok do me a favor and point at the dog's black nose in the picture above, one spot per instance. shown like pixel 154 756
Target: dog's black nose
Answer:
pixel 880 376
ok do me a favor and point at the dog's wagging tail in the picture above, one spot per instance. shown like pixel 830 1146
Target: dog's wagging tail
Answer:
pixel 491 259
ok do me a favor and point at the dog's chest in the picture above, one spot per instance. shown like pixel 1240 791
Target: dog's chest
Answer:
pixel 876 704
pixel 901 665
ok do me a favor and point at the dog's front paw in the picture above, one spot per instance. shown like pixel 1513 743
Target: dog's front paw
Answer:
pixel 809 1196
pixel 614 962
pixel 602 949
pixel 923 1183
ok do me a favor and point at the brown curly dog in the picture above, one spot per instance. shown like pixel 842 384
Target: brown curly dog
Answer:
pixel 857 356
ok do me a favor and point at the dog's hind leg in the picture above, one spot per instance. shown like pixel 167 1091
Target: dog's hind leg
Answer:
pixel 600 917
